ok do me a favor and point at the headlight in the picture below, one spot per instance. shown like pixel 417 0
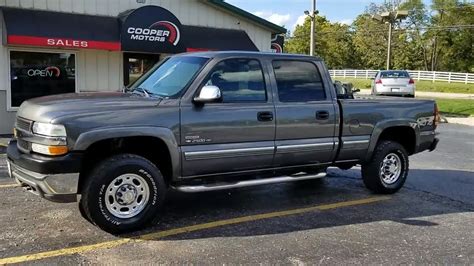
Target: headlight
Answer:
pixel 49 150
pixel 47 129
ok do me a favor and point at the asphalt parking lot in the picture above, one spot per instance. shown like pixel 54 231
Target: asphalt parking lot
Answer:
pixel 332 221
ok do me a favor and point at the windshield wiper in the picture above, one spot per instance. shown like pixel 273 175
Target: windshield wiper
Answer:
pixel 144 91
pixel 147 93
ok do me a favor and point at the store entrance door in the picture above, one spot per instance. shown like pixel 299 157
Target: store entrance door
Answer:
pixel 136 64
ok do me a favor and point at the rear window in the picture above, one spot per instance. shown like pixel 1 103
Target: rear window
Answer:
pixel 394 74
pixel 298 81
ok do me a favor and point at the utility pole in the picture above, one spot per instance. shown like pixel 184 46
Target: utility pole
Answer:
pixel 389 45
pixel 390 18
pixel 312 16
pixel 313 22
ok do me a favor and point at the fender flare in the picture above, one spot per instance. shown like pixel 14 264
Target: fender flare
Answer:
pixel 383 125
pixel 86 139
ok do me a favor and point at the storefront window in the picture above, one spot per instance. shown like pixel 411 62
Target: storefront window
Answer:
pixel 137 64
pixel 36 74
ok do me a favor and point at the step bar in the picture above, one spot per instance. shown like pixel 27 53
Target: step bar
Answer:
pixel 247 183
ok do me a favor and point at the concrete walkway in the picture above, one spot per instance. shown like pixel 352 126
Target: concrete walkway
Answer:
pixel 468 121
pixel 3 144
pixel 430 94
pixel 4 140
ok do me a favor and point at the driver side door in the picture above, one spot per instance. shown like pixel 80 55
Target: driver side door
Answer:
pixel 235 134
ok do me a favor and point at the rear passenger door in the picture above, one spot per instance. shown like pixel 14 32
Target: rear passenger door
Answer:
pixel 306 115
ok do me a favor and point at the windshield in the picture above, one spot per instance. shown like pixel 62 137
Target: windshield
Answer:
pixel 169 78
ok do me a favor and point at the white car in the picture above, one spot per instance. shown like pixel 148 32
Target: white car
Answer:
pixel 393 83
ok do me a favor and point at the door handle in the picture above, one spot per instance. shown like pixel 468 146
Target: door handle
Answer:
pixel 322 115
pixel 265 116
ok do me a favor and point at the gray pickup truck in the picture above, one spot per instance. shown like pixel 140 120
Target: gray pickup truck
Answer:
pixel 207 121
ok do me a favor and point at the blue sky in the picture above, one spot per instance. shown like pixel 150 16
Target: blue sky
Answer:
pixel 290 12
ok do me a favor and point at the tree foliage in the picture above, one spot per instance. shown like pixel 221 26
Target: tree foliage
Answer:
pixel 430 38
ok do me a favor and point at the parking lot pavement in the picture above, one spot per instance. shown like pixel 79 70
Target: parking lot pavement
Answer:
pixel 334 221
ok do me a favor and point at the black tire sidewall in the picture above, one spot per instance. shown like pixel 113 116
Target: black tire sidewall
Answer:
pixel 371 170
pixel 104 174
pixel 400 152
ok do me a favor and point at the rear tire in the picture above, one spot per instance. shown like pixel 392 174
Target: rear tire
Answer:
pixel 123 193
pixel 388 169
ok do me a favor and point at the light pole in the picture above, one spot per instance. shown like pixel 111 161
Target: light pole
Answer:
pixel 390 18
pixel 312 16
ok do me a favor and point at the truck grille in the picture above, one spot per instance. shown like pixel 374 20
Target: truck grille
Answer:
pixel 23 127
pixel 23 145
pixel 23 124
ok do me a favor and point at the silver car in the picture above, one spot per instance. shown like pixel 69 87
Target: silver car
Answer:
pixel 393 83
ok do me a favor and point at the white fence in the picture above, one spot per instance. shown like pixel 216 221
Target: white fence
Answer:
pixel 415 74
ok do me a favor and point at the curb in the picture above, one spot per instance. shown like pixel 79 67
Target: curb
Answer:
pixel 467 121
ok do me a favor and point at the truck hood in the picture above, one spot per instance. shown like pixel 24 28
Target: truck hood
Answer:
pixel 46 109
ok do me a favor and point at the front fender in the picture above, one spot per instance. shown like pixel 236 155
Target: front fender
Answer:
pixel 381 126
pixel 86 139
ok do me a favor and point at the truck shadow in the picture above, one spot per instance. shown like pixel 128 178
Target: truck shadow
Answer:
pixel 410 206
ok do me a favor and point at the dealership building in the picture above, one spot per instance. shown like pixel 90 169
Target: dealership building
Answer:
pixel 53 46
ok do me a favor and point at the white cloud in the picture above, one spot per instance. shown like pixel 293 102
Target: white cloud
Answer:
pixel 279 19
pixel 345 21
pixel 299 21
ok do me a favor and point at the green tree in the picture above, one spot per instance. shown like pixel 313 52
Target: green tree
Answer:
pixel 333 42
pixel 452 46
pixel 438 38
pixel 370 42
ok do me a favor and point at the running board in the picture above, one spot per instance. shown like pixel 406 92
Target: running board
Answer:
pixel 247 183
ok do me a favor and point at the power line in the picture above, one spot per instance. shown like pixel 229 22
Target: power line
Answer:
pixel 439 28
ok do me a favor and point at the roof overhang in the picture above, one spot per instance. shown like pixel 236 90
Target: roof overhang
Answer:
pixel 28 27
pixel 275 29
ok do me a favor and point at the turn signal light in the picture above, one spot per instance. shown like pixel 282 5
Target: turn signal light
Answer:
pixel 378 81
pixel 411 81
pixel 49 150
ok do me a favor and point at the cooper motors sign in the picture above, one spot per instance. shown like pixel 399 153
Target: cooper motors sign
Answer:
pixel 151 29
pixel 154 34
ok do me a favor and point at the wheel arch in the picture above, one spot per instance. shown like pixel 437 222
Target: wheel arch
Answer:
pixel 143 141
pixel 404 132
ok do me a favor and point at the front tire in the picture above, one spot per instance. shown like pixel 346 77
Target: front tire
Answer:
pixel 387 171
pixel 123 193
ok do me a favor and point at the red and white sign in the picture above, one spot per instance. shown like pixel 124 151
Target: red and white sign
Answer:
pixel 276 48
pixel 62 43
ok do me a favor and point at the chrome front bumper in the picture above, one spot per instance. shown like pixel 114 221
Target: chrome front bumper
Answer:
pixel 53 187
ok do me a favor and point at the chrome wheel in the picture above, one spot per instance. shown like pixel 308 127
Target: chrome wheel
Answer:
pixel 391 168
pixel 127 195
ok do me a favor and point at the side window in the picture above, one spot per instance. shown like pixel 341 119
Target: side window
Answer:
pixel 298 81
pixel 240 80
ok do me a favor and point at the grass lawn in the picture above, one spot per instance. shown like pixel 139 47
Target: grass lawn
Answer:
pixel 421 85
pixel 455 107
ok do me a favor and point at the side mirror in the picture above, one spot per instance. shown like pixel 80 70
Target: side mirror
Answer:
pixel 355 90
pixel 208 94
pixel 372 78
